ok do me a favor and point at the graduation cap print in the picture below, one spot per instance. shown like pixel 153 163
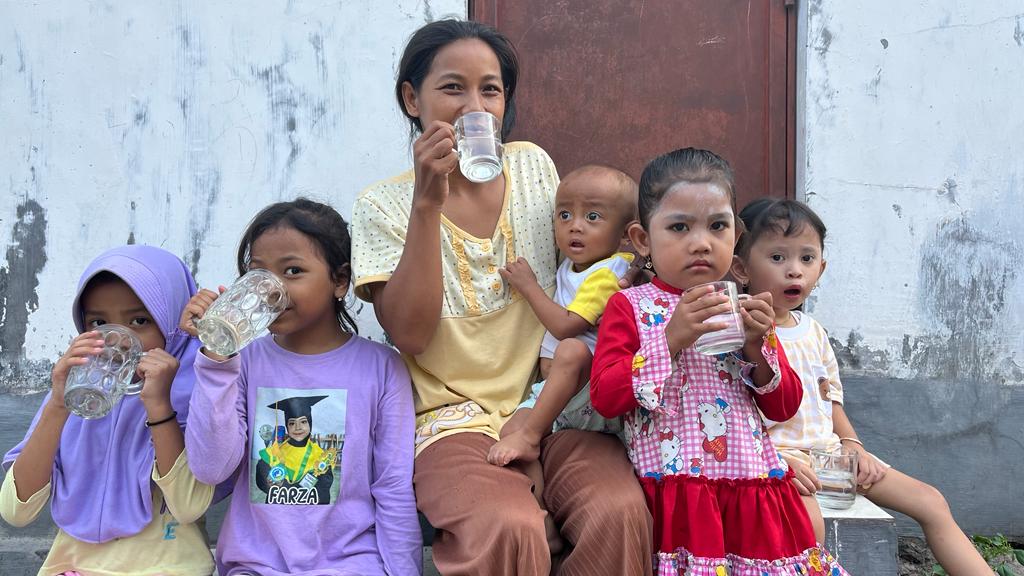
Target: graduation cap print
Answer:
pixel 297 406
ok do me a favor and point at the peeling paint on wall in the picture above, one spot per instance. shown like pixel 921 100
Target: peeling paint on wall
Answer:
pixel 911 155
pixel 19 278
pixel 172 124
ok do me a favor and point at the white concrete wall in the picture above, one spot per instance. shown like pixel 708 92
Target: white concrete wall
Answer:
pixel 913 156
pixel 172 123
pixel 911 130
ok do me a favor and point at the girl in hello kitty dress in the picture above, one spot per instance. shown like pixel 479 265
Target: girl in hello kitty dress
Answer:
pixel 720 495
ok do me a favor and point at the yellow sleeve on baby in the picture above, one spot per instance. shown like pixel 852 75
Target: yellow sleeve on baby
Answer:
pixel 593 294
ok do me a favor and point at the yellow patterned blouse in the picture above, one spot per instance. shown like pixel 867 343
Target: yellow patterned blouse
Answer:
pixel 483 356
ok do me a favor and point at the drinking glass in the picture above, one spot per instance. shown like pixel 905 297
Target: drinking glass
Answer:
pixel 729 338
pixel 94 388
pixel 242 312
pixel 478 143
pixel 837 472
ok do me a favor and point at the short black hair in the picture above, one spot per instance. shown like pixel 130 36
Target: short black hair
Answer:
pixel 691 165
pixel 782 216
pixel 426 42
pixel 324 227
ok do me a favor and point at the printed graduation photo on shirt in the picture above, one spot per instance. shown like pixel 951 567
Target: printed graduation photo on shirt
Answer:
pixel 296 452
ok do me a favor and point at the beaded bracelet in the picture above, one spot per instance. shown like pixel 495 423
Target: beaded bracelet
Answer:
pixel 174 414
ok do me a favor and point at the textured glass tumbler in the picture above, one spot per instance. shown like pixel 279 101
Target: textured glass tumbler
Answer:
pixel 837 472
pixel 242 312
pixel 94 388
pixel 730 338
pixel 478 143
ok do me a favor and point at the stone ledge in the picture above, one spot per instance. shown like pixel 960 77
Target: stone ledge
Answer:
pixel 863 538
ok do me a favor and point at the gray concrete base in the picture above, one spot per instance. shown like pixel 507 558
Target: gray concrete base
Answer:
pixel 863 539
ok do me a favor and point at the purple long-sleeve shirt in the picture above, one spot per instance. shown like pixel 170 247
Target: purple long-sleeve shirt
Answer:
pixel 327 440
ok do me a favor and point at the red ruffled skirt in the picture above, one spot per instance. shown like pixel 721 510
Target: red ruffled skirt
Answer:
pixel 756 526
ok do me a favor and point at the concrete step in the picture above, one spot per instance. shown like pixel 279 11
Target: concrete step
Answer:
pixel 863 538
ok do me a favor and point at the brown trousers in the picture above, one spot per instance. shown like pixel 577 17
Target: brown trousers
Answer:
pixel 489 524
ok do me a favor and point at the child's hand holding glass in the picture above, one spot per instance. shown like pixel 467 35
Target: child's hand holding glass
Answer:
pixel 804 478
pixel 82 347
pixel 758 319
pixel 196 309
pixel 157 369
pixel 688 319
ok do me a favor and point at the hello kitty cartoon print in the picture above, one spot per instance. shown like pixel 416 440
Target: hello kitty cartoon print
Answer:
pixel 715 428
pixel 671 459
pixel 653 311
pixel 757 431
pixel 691 434
pixel 729 368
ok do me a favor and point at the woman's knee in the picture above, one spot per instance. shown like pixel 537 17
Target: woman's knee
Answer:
pixel 518 527
pixel 627 508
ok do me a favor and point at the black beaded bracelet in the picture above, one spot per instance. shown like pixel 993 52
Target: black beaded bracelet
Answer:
pixel 174 414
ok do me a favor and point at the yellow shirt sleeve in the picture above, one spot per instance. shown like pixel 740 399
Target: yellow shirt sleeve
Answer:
pixel 379 229
pixel 14 511
pixel 186 498
pixel 593 294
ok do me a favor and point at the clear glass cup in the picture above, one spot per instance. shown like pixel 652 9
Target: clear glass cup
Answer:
pixel 478 143
pixel 243 312
pixel 94 388
pixel 837 472
pixel 730 338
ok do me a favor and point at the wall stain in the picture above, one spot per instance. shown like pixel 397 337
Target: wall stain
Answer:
pixel 898 210
pixel 206 187
pixel 295 113
pixel 19 279
pixel 873 84
pixel 948 190
pixel 140 116
pixel 428 11
pixel 131 223
pixel 966 280
pixel 885 44
pixel 316 40
pixel 1018 31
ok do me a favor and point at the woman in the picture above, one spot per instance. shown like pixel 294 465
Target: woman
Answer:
pixel 427 246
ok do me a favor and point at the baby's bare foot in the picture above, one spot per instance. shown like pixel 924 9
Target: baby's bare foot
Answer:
pixel 512 448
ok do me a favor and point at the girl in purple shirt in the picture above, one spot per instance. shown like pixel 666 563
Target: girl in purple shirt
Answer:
pixel 316 422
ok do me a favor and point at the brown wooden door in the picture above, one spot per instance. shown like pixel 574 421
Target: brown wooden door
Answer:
pixel 621 81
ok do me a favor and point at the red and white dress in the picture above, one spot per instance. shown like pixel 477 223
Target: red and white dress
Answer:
pixel 722 499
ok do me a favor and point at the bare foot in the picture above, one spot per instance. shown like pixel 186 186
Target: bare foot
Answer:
pixel 515 446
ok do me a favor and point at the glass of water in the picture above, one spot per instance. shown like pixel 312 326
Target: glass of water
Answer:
pixel 242 312
pixel 478 143
pixel 94 388
pixel 731 337
pixel 837 472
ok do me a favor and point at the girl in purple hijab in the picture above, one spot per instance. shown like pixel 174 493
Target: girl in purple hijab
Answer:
pixel 120 488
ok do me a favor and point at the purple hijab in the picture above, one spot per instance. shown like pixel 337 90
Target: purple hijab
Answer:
pixel 100 487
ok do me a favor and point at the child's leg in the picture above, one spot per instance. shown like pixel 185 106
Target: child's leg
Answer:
pixel 535 473
pixel 817 520
pixel 927 506
pixel 570 370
